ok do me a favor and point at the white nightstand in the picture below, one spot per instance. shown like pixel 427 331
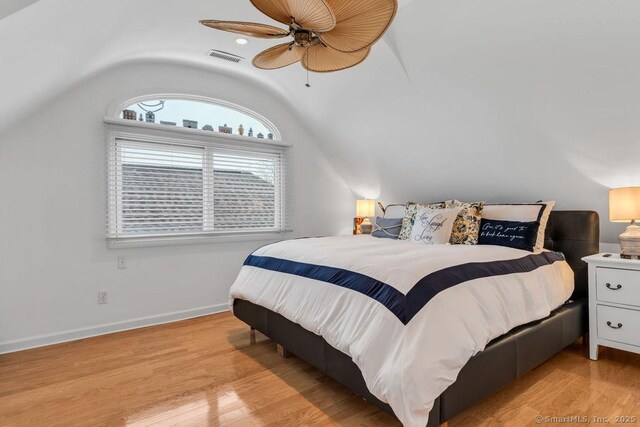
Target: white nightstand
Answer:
pixel 614 303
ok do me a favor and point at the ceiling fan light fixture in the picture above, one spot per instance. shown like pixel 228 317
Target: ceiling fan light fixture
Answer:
pixel 241 41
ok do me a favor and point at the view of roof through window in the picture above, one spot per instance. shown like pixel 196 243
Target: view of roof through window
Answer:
pixel 198 115
pixel 168 188
pixel 192 158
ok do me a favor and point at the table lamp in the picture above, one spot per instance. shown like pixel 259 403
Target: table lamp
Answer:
pixel 365 209
pixel 624 206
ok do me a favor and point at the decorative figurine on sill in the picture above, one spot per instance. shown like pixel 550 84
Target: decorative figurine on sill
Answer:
pixel 151 110
pixel 225 129
pixel 270 135
pixel 250 132
pixel 260 135
pixel 141 119
pixel 190 124
pixel 207 127
pixel 241 130
pixel 129 115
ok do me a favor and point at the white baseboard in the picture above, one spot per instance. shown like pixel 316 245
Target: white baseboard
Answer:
pixel 108 328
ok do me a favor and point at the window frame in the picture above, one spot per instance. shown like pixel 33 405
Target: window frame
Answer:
pixel 117 128
pixel 115 110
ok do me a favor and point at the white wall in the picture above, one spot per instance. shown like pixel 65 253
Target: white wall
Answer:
pixel 494 100
pixel 53 254
pixel 498 100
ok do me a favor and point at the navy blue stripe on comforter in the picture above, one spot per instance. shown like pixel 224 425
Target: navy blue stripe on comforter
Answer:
pixel 405 307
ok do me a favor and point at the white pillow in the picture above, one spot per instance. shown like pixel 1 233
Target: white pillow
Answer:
pixel 433 226
pixel 523 212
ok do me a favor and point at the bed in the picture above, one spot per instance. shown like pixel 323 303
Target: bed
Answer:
pixel 485 367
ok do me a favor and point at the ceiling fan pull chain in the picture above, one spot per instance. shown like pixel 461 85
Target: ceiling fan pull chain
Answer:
pixel 306 54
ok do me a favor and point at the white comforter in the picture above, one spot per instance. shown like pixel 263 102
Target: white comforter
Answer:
pixel 406 365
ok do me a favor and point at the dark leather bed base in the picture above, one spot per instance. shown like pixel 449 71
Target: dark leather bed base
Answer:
pixel 574 233
pixel 505 359
pixel 513 355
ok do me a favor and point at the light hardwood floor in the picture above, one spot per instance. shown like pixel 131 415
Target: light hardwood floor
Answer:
pixel 206 372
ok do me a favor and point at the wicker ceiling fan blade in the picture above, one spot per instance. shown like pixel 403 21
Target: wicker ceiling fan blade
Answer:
pixel 252 29
pixel 360 23
pixel 278 56
pixel 313 15
pixel 323 59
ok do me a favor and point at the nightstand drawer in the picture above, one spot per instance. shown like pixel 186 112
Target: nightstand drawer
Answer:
pixel 619 324
pixel 618 286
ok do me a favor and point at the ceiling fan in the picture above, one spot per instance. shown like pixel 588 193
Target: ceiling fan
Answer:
pixel 328 35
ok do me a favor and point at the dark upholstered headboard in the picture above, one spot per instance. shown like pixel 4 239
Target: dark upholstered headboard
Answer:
pixel 576 234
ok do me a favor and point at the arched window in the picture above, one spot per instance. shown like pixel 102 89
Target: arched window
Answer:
pixel 182 170
pixel 209 115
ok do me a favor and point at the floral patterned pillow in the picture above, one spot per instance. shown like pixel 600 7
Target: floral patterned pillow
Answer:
pixel 467 225
pixel 410 217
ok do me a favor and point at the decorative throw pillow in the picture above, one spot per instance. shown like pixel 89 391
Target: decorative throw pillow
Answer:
pixel 433 226
pixel 523 212
pixel 387 227
pixel 467 226
pixel 514 234
pixel 410 216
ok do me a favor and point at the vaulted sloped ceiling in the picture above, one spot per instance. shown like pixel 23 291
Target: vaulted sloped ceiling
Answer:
pixel 52 45
pixel 459 92
pixel 7 7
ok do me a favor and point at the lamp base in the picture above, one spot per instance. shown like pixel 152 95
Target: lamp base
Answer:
pixel 630 242
pixel 366 227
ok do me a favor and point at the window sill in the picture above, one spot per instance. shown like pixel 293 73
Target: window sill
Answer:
pixel 151 241
pixel 134 125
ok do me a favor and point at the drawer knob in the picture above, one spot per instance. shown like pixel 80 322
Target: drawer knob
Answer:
pixel 608 285
pixel 609 324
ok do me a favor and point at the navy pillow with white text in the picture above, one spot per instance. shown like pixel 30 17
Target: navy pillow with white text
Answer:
pixel 514 234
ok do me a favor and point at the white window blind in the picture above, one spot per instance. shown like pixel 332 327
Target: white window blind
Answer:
pixel 160 188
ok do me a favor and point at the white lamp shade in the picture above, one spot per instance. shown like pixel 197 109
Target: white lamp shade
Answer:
pixel 365 208
pixel 624 204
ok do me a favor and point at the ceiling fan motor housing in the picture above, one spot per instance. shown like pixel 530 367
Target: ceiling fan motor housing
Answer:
pixel 302 37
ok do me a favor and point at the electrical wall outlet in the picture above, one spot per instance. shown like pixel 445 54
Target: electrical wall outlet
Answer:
pixel 122 263
pixel 102 297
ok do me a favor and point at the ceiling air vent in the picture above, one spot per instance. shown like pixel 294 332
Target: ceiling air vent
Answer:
pixel 225 55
